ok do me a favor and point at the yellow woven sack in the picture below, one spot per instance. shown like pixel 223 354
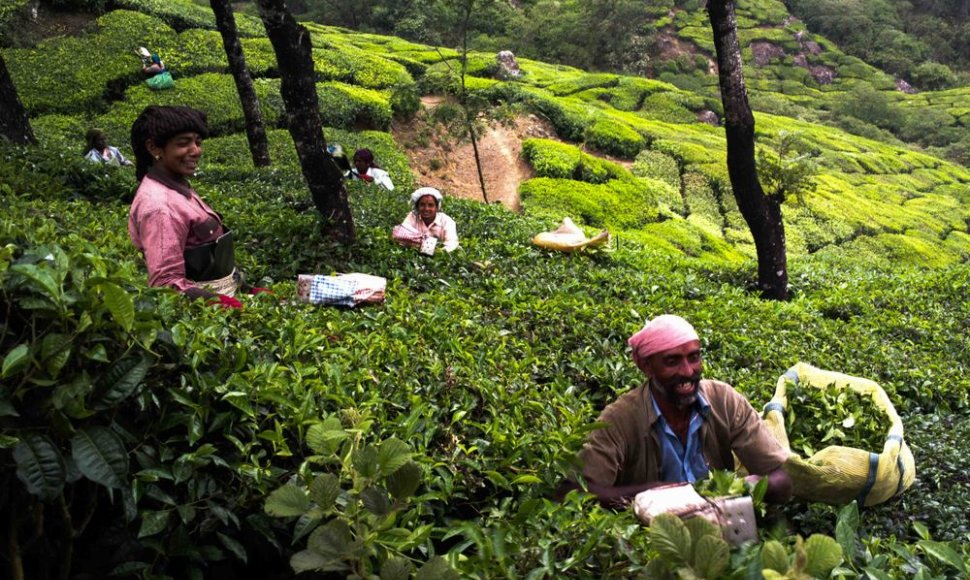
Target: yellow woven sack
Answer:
pixel 569 238
pixel 837 475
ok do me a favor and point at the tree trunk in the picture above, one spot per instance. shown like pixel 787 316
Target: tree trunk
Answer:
pixel 762 213
pixel 14 125
pixel 291 43
pixel 255 131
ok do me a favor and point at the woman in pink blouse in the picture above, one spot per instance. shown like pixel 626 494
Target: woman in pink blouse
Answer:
pixel 425 225
pixel 183 240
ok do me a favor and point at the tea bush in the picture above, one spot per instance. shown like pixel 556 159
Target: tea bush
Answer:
pixel 657 165
pixel 614 205
pixel 203 416
pixel 185 14
pixel 51 78
pixel 614 138
pixel 559 160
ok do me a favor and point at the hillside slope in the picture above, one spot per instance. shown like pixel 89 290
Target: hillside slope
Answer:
pixel 881 199
pixel 481 372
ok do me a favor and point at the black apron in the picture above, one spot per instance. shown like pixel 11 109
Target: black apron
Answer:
pixel 210 261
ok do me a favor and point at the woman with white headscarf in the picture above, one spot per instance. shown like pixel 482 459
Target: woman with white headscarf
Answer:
pixel 425 225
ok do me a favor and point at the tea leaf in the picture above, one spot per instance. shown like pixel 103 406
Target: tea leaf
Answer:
pixel 670 537
pixel 436 568
pixel 119 303
pixel 396 569
pixel 39 466
pixel 324 490
pixel 101 456
pixel 16 359
pixel 405 481
pixel 822 555
pixel 392 455
pixel 944 553
pixel 711 556
pixel 287 501
pixel 775 557
pixel 120 382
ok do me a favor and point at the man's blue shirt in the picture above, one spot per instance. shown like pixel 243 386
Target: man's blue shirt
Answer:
pixel 679 464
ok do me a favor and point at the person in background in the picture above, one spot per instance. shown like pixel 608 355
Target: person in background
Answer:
pixel 184 242
pixel 367 170
pixel 152 64
pixel 677 427
pixel 426 221
pixel 99 151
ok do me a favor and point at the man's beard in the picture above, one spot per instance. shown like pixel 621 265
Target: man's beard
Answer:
pixel 679 390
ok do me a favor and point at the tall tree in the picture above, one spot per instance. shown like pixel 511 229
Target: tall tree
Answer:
pixel 255 131
pixel 760 211
pixel 294 58
pixel 14 124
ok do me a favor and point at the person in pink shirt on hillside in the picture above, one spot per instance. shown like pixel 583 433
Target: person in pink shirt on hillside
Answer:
pixel 425 225
pixel 183 240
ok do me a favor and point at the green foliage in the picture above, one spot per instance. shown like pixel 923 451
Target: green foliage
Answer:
pixel 569 116
pixel 819 417
pixel 347 106
pixel 559 160
pixel 185 14
pixel 51 78
pixel 671 107
pixel 357 516
pixel 613 205
pixel 614 138
pixel 657 165
pixel 213 93
pixel 357 67
pixel 789 169
pixel 696 550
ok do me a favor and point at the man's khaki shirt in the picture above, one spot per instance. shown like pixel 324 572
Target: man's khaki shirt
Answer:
pixel 627 450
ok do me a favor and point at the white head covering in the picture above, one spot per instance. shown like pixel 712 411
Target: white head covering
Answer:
pixel 423 191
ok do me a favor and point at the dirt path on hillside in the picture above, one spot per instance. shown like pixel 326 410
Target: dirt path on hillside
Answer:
pixel 450 167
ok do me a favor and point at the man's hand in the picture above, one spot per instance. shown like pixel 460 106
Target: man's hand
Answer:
pixel 226 301
pixel 779 486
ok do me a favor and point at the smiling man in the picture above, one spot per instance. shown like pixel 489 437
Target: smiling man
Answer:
pixel 677 427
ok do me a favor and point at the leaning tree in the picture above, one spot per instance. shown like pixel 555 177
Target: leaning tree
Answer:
pixel 761 212
pixel 291 43
pixel 255 130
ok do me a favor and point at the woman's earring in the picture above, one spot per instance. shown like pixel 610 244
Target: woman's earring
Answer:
pixel 157 157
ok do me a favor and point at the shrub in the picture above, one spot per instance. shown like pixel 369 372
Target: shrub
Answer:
pixel 657 165
pixel 560 160
pixel 354 66
pixel 185 14
pixel 568 116
pixel 617 205
pixel 347 106
pixel 614 138
pixel 213 93
pixel 51 78
pixel 581 83
pixel 669 107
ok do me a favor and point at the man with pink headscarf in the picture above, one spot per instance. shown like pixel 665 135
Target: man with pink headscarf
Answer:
pixel 677 427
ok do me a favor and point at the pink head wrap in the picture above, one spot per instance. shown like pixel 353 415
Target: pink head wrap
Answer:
pixel 662 333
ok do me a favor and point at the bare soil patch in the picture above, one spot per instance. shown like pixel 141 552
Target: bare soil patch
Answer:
pixel 45 23
pixel 438 161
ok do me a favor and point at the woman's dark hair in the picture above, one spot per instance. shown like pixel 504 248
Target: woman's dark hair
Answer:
pixel 92 136
pixel 161 123
pixel 366 156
